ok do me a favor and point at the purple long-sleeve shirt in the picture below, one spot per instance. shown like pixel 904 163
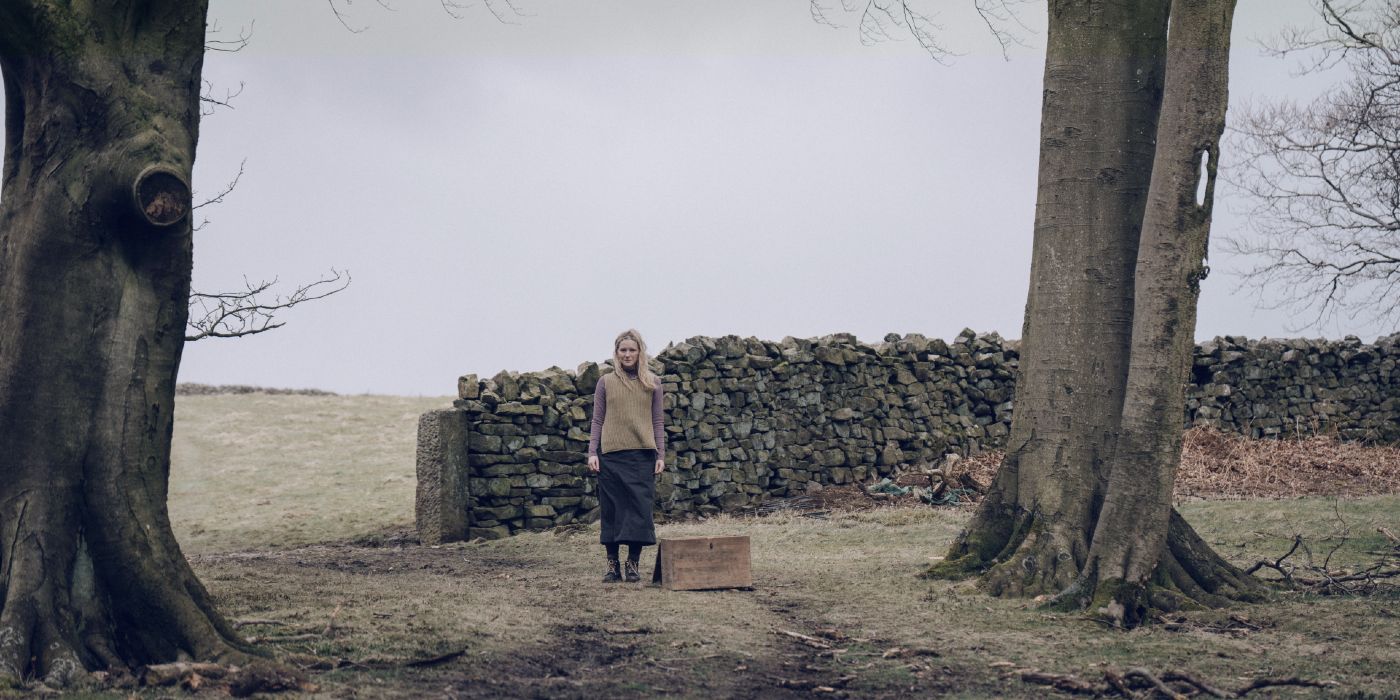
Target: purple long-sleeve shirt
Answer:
pixel 600 412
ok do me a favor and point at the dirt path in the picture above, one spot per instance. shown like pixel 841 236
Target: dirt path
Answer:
pixel 564 635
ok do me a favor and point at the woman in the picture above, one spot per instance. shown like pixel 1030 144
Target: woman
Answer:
pixel 627 449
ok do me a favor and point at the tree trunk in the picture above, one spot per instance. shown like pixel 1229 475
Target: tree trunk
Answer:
pixel 1081 507
pixel 1132 530
pixel 102 114
pixel 1103 82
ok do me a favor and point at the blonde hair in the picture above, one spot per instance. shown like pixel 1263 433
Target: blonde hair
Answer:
pixel 644 373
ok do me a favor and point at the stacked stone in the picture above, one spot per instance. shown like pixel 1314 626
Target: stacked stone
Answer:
pixel 746 419
pixel 1269 388
pixel 749 419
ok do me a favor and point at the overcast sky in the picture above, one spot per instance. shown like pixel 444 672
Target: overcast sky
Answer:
pixel 510 196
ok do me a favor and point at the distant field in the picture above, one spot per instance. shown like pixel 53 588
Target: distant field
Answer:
pixel 261 470
pixel 283 504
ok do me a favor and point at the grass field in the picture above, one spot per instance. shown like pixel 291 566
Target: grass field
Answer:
pixel 264 470
pixel 298 510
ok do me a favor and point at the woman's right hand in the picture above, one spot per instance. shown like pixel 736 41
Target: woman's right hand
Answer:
pixel 593 464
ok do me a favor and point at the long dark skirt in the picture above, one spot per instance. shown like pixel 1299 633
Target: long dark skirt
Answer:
pixel 626 490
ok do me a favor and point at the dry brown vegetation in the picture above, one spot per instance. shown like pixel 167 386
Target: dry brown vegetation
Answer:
pixel 1218 465
pixel 296 512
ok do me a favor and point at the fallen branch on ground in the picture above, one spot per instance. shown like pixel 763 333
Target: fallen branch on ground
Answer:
pixel 435 660
pixel 1153 681
pixel 240 624
pixel 1129 683
pixel 382 664
pixel 1277 564
pixel 809 641
pixel 906 652
pixel 1275 682
pixel 284 638
pixel 1324 580
pixel 1063 682
pixel 1199 684
pixel 241 681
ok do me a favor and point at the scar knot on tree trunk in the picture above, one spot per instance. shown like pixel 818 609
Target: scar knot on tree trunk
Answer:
pixel 161 194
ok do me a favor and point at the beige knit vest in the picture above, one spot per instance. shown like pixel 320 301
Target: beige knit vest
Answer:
pixel 627 422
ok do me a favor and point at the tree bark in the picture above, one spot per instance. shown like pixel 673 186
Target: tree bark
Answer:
pixel 1081 507
pixel 102 110
pixel 1132 530
pixel 1103 82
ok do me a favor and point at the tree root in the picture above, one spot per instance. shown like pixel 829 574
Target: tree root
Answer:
pixel 978 547
pixel 62 617
pixel 997 527
pixel 1189 576
pixel 1047 561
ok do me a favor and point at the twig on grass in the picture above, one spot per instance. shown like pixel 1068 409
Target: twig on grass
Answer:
pixel 1327 581
pixel 384 664
pixel 284 638
pixel 435 660
pixel 1258 683
pixel 1117 683
pixel 809 641
pixel 240 624
pixel 1154 681
pixel 657 663
pixel 1198 683
pixel 1277 564
pixel 312 662
pixel 906 652
pixel 1062 682
pixel 689 658
pixel 330 625
pixel 1129 682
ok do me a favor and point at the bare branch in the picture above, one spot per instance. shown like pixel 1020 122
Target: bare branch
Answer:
pixel 997 15
pixel 887 20
pixel 502 16
pixel 243 312
pixel 1323 179
pixel 340 17
pixel 505 11
pixel 219 198
pixel 245 35
pixel 819 14
pixel 209 103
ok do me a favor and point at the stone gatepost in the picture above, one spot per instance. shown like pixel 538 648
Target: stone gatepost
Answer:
pixel 440 506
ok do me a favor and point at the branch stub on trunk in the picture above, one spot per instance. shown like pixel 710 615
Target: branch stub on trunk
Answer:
pixel 162 195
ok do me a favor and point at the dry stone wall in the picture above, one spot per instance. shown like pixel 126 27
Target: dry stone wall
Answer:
pixel 1269 388
pixel 749 419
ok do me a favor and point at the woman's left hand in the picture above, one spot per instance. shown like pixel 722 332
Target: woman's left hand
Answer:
pixel 660 466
